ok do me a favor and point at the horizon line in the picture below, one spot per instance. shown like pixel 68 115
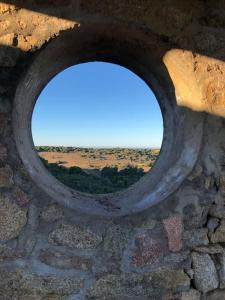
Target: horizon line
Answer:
pixel 103 147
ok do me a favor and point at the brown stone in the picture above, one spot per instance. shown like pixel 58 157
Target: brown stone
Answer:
pixel 21 197
pixel 74 237
pixel 6 8
pixel 6 177
pixel 12 219
pixel 4 25
pixel 150 248
pixel 21 284
pixel 174 229
pixel 3 153
pixel 205 94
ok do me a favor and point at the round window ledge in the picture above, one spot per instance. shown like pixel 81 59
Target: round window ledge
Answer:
pixel 182 127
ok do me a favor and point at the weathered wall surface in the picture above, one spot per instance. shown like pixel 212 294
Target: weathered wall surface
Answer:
pixel 174 250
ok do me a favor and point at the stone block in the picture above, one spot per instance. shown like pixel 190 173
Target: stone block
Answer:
pixel 6 177
pixel 217 211
pixel 139 286
pixel 191 295
pixel 116 240
pixel 151 246
pixel 212 224
pixel 168 279
pixel 174 229
pixel 74 237
pixel 52 213
pixel 210 249
pixel 195 237
pixel 7 253
pixel 216 295
pixel 6 8
pixel 63 261
pixel 21 284
pixel 221 260
pixel 21 197
pixel 219 235
pixel 205 274
pixel 3 153
pixel 12 219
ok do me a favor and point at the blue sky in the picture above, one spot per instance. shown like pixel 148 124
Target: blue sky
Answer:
pixel 97 105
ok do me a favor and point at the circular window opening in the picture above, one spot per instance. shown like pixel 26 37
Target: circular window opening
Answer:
pixel 182 127
pixel 97 127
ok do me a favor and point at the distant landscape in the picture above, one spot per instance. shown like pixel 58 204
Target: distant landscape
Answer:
pixel 97 170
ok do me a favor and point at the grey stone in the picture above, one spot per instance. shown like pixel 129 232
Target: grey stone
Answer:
pixel 208 182
pixel 195 237
pixel 116 239
pixel 221 259
pixel 8 57
pixel 18 284
pixel 216 295
pixel 194 216
pixel 138 286
pixel 63 261
pixel 190 272
pixel 176 258
pixel 219 235
pixel 21 197
pixel 12 219
pixel 196 173
pixel 73 236
pixel 212 224
pixel 191 295
pixel 8 253
pixel 205 275
pixel 217 211
pixel 210 249
pixel 222 184
pixel 168 279
pixel 52 213
pixel 112 286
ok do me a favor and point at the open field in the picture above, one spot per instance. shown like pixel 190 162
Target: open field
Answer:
pixel 90 158
pixel 97 171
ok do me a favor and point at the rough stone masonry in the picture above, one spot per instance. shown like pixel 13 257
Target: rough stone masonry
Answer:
pixel 174 250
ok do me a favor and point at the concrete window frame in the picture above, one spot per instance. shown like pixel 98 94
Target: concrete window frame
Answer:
pixel 131 49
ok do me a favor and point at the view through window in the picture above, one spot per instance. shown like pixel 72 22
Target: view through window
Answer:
pixel 97 127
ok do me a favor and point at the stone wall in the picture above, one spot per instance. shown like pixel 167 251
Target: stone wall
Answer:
pixel 174 250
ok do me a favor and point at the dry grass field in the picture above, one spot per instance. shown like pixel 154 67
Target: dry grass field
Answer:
pixel 97 171
pixel 89 158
